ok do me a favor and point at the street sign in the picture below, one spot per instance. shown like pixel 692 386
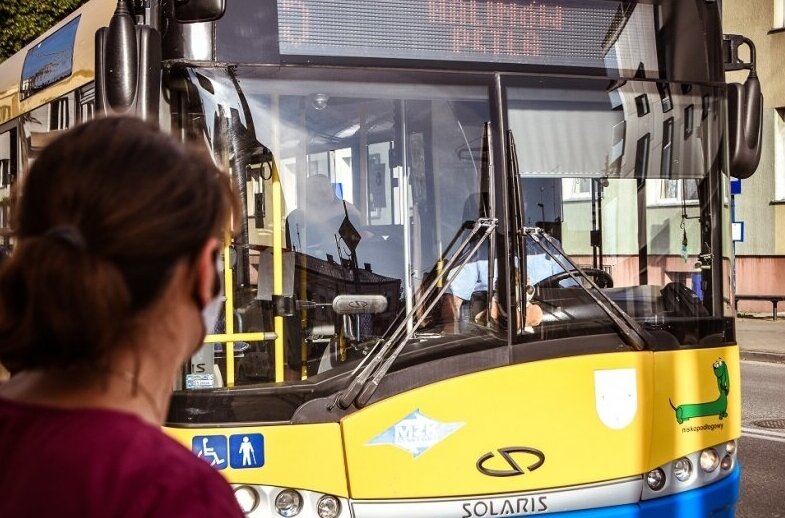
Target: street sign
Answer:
pixel 735 186
pixel 737 231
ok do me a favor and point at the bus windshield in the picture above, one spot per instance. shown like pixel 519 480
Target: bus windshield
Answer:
pixel 381 181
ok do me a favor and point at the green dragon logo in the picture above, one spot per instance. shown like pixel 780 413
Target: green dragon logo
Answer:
pixel 717 407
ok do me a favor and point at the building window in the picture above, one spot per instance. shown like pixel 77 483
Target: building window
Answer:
pixel 59 115
pixel 8 169
pixel 779 154
pixel 778 20
pixel 85 99
pixel 576 189
pixel 672 192
pixel 642 105
pixel 706 106
pixel 642 157
pixel 666 163
pixel 689 120
pixel 665 97
pixel 8 158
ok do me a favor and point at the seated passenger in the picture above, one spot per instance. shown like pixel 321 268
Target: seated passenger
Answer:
pixel 312 229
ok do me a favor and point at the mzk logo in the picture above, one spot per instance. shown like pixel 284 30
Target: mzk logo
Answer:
pixel 718 407
pixel 415 433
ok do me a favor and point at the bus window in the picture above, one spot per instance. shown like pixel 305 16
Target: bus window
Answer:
pixel 85 97
pixel 8 174
pixel 42 124
pixel 624 197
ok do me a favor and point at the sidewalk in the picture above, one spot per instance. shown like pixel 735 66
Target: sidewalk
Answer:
pixel 760 338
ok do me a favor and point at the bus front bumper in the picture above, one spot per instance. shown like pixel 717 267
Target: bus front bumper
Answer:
pixel 717 500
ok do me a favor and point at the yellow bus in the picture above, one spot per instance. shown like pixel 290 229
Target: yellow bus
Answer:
pixel 485 267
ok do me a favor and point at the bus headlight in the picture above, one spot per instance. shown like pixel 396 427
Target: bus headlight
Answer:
pixel 288 502
pixel 682 469
pixel 730 447
pixel 655 479
pixel 328 507
pixel 709 460
pixel 247 497
pixel 696 469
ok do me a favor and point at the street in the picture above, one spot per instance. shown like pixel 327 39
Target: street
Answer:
pixel 762 446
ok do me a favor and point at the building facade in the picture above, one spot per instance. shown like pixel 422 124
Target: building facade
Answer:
pixel 760 263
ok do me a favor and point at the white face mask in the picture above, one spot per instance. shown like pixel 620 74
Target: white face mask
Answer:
pixel 212 310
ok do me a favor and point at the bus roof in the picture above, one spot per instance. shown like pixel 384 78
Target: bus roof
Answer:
pixel 93 15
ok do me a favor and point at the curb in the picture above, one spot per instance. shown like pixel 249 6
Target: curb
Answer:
pixel 760 356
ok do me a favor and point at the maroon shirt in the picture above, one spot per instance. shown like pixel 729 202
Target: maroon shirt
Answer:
pixel 99 463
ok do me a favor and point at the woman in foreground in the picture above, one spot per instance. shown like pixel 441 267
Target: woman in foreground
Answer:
pixel 102 300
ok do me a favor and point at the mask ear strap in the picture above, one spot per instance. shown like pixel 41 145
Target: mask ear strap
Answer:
pixel 216 275
pixel 216 284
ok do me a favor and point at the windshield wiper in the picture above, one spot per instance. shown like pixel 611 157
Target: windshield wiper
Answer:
pixel 367 381
pixel 632 332
pixel 364 385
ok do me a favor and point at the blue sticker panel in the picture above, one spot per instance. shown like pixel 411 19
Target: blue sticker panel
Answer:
pixel 211 449
pixel 246 451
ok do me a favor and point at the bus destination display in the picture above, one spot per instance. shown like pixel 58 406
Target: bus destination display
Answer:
pixel 549 32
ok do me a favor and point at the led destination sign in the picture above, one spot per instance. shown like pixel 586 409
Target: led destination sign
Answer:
pixel 549 32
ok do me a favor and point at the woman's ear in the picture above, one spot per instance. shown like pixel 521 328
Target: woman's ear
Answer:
pixel 208 284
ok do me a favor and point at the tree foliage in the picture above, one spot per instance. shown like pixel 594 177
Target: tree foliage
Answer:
pixel 21 21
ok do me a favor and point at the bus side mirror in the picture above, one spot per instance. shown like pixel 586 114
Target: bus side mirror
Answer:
pixel 745 125
pixel 745 110
pixel 127 67
pixel 194 11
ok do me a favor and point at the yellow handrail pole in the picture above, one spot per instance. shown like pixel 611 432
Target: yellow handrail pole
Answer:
pixel 229 311
pixel 240 337
pixel 278 267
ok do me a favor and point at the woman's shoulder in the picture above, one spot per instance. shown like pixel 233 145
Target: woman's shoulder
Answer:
pixel 164 478
pixel 115 461
pixel 171 481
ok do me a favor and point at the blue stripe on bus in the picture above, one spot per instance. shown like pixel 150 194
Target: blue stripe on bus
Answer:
pixel 716 500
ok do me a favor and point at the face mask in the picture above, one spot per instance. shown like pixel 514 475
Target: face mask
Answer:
pixel 212 310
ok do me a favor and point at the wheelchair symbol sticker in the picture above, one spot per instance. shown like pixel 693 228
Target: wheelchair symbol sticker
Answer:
pixel 212 449
pixel 246 451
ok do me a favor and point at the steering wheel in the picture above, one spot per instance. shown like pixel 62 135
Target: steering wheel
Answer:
pixel 600 277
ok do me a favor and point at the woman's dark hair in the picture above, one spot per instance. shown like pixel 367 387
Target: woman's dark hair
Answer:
pixel 106 211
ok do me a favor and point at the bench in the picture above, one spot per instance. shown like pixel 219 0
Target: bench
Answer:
pixel 774 299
